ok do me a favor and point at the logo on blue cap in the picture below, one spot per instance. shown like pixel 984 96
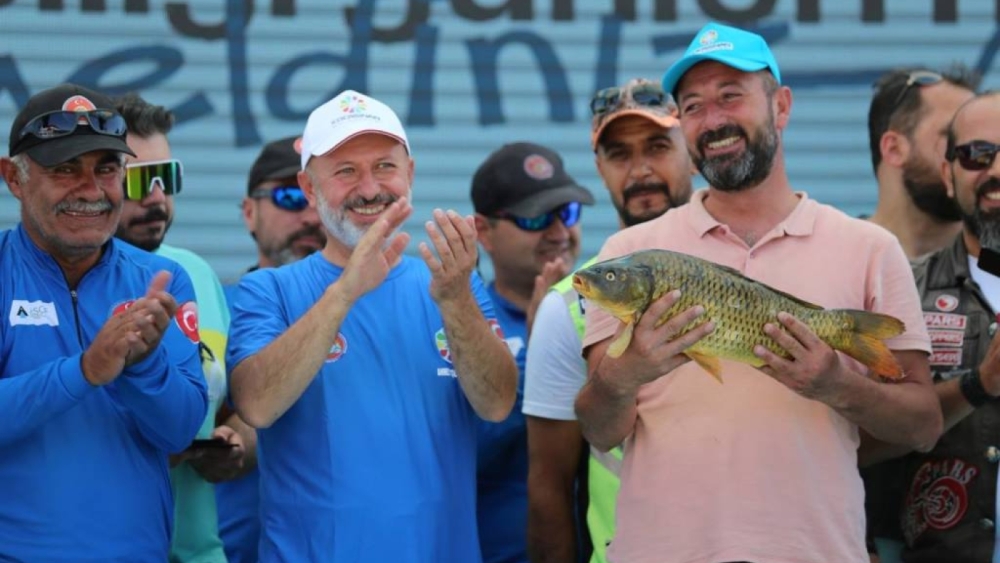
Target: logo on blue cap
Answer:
pixel 740 49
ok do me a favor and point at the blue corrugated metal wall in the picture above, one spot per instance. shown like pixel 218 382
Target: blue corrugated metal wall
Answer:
pixel 465 75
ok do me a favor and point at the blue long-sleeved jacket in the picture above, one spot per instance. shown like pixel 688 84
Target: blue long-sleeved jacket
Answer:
pixel 83 469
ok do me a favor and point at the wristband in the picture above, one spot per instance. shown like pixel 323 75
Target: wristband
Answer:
pixel 973 390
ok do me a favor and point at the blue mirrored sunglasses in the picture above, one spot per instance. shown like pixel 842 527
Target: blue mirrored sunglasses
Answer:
pixel 289 198
pixel 569 214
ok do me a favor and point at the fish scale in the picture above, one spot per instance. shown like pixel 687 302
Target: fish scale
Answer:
pixel 738 305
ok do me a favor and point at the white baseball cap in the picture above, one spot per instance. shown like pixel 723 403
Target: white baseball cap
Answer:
pixel 346 116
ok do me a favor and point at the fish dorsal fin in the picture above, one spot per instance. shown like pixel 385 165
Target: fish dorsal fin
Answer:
pixel 797 300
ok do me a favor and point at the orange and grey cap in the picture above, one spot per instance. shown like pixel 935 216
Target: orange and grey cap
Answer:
pixel 639 97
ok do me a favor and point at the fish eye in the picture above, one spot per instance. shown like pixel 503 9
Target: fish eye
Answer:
pixel 610 276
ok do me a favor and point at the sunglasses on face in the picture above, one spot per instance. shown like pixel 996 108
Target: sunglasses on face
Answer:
pixel 974 156
pixel 289 198
pixel 918 78
pixel 142 178
pixel 61 123
pixel 569 214
pixel 643 95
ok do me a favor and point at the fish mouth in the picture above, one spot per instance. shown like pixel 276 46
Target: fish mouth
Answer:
pixel 581 285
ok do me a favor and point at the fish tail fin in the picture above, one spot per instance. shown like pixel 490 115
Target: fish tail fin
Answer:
pixel 865 345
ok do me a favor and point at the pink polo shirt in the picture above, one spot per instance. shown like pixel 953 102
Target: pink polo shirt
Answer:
pixel 748 470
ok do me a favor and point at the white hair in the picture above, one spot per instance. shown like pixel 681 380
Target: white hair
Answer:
pixel 20 162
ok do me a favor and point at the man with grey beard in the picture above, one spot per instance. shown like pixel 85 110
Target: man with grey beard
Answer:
pixel 947 508
pixel 909 112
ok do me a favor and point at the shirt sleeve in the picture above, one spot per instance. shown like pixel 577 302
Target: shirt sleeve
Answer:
pixel 31 399
pixel 257 317
pixel 555 369
pixel 892 290
pixel 166 392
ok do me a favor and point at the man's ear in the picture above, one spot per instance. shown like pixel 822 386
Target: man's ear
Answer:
pixel 948 178
pixel 11 176
pixel 249 210
pixel 305 182
pixel 484 232
pixel 895 148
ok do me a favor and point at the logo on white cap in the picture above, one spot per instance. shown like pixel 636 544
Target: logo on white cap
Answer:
pixel 346 116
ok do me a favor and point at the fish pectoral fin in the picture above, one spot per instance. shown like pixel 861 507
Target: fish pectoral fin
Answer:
pixel 710 364
pixel 621 343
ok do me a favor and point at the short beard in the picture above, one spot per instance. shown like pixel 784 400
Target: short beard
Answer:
pixel 339 226
pixel 924 186
pixel 733 173
pixel 985 225
pixel 629 220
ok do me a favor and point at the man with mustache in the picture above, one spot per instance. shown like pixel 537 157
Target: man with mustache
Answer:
pixel 152 178
pixel 528 210
pixel 907 121
pixel 948 507
pixel 762 467
pixel 100 378
pixel 365 371
pixel 285 228
pixel 907 118
pixel 640 154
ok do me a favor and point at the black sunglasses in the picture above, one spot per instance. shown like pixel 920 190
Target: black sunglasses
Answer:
pixel 62 123
pixel 569 214
pixel 643 94
pixel 919 78
pixel 974 156
pixel 289 198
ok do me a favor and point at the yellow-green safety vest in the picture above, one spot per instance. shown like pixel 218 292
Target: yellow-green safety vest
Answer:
pixel 603 468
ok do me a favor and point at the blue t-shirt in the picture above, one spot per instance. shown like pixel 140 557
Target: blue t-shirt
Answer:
pixel 376 460
pixel 238 501
pixel 83 469
pixel 502 480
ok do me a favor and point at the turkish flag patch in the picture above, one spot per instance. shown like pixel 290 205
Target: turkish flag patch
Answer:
pixel 187 320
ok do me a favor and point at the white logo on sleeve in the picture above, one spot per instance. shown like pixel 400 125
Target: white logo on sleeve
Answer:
pixel 33 313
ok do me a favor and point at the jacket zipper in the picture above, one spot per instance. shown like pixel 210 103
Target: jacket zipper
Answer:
pixel 76 316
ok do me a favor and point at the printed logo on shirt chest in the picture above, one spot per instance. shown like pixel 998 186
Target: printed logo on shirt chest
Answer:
pixel 338 349
pixel 938 497
pixel 441 342
pixel 32 313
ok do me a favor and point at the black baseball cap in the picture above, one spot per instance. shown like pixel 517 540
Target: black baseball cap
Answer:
pixel 526 180
pixel 56 150
pixel 278 159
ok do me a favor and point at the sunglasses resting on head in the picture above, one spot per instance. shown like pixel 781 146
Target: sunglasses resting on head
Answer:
pixel 651 95
pixel 289 198
pixel 569 214
pixel 142 178
pixel 62 123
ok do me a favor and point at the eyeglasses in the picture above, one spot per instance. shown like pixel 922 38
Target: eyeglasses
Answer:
pixel 289 198
pixel 974 156
pixel 144 177
pixel 569 214
pixel 62 123
pixel 643 95
pixel 917 78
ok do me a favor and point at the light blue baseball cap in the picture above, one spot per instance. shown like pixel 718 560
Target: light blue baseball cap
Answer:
pixel 730 46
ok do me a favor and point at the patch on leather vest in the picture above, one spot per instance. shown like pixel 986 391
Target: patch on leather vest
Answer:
pixel 938 497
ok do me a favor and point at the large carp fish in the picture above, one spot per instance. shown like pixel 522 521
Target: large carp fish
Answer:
pixel 738 305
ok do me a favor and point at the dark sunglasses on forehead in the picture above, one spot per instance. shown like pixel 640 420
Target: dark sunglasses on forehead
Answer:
pixel 143 177
pixel 61 123
pixel 289 198
pixel 917 78
pixel 569 214
pixel 643 94
pixel 973 156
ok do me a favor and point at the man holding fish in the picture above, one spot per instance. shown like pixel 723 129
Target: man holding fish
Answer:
pixel 761 467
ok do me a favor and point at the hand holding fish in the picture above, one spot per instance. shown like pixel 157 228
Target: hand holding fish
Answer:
pixel 655 348
pixel 454 239
pixel 376 253
pixel 813 369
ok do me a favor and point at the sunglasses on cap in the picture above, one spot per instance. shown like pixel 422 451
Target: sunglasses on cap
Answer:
pixel 917 78
pixel 289 198
pixel 569 214
pixel 643 94
pixel 974 156
pixel 142 178
pixel 56 124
